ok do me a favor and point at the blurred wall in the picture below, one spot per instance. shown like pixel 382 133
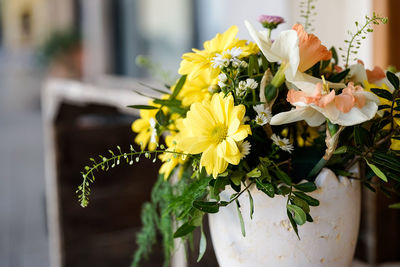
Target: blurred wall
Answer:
pixel 331 23
pixel 26 23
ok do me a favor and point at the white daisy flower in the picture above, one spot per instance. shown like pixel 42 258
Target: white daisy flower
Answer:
pixel 244 148
pixel 234 52
pixel 251 83
pixel 261 119
pixel 241 89
pixel 264 112
pixel 282 143
pixel 221 84
pixel 220 61
pixel 222 77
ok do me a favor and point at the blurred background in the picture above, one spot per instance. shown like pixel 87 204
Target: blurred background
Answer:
pixel 67 70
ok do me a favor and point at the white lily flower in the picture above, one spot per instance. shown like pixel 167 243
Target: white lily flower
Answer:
pixel 297 51
pixel 353 106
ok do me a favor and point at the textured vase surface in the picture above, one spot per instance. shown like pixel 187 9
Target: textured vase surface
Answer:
pixel 270 240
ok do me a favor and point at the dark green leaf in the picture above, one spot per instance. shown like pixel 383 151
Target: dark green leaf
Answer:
pixel 284 190
pixel 265 63
pixel 236 177
pixel 293 223
pixel 393 79
pixel 380 107
pixel 306 187
pixel 154 89
pixel 209 207
pixel 334 55
pixel 161 118
pixel 240 218
pixel 300 203
pixel 283 176
pixel 167 102
pixel 142 107
pixel 340 76
pixel 310 200
pixel 382 93
pixel 184 229
pixel 202 245
pixel 362 136
pixel 178 87
pixel 309 218
pixel 267 188
pixel 299 215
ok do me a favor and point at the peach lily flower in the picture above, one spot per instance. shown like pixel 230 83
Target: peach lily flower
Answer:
pixel 297 51
pixel 351 107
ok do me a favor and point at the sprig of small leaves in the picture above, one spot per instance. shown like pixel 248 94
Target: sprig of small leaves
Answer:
pixel 354 41
pixel 116 158
pixel 307 10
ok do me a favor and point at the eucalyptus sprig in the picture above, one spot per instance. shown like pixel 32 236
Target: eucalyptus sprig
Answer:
pixel 354 41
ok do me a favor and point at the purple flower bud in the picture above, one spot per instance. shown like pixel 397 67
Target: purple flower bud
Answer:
pixel 270 22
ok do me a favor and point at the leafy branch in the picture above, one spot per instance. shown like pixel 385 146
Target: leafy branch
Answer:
pixel 354 42
pixel 306 12
pixel 115 159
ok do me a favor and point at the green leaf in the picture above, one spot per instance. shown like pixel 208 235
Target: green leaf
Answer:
pixel 310 200
pixel 341 150
pixel 362 136
pixel 178 87
pixel 306 187
pixel 240 218
pixel 340 76
pixel 395 206
pixel 293 223
pixel 380 107
pixel 167 102
pixel 300 203
pixel 202 245
pixel 251 201
pixel 382 93
pixel 142 107
pixel 334 55
pixel 299 215
pixel 393 79
pixel 209 207
pixel 184 229
pixel 267 188
pixel 377 171
pixel 161 118
pixel 255 173
pixel 236 177
pixel 283 176
pixel 264 62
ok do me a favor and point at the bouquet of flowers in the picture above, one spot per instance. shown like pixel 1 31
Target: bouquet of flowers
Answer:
pixel 262 113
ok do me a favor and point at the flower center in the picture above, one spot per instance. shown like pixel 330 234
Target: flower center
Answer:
pixel 219 133
pixel 281 143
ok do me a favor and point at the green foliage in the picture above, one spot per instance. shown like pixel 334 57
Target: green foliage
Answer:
pixel 354 41
pixel 60 42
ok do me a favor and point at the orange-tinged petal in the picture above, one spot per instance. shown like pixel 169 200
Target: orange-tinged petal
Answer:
pixel 310 49
pixel 345 101
pixel 375 75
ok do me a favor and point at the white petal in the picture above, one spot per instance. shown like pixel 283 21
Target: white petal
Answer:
pixel 306 83
pixel 286 48
pixel 310 115
pixel 358 73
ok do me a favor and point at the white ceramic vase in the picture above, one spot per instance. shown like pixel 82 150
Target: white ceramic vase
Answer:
pixel 270 240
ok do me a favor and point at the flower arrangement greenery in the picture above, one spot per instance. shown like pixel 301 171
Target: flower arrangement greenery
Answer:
pixel 269 114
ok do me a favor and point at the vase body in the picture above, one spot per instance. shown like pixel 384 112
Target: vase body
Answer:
pixel 270 240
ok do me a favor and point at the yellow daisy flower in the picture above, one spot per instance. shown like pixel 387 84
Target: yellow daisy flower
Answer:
pixel 214 128
pixel 197 89
pixel 195 62
pixel 171 160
